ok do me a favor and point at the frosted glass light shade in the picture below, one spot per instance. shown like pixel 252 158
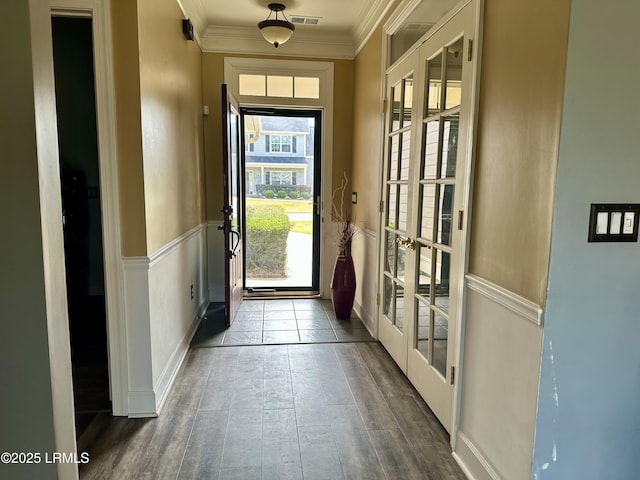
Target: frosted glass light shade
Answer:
pixel 276 32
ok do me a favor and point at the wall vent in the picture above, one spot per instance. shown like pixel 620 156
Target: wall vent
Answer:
pixel 302 20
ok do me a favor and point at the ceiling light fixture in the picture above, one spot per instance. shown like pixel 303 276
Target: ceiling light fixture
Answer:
pixel 276 31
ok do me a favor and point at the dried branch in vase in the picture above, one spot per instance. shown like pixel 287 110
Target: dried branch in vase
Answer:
pixel 342 215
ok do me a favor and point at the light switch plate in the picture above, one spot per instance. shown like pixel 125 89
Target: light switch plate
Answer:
pixel 614 222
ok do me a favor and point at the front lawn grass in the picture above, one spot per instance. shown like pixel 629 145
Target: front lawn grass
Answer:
pixel 290 206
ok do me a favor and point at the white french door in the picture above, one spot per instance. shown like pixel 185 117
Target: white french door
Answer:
pixel 427 189
pixel 397 253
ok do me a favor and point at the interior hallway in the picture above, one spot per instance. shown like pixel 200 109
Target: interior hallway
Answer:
pixel 314 411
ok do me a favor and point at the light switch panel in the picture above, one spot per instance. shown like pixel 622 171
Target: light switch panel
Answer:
pixel 614 222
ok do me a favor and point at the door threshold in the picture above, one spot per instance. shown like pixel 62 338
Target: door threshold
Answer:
pixel 271 293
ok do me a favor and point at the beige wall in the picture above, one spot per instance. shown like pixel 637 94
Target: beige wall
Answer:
pixel 517 147
pixel 127 99
pixel 171 106
pixel 367 130
pixel 160 145
pixel 213 77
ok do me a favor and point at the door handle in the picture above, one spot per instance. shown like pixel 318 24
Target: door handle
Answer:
pixel 408 242
pixel 236 234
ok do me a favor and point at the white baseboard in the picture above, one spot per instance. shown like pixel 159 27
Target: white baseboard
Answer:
pixel 142 404
pixel 168 376
pixel 366 318
pixel 471 461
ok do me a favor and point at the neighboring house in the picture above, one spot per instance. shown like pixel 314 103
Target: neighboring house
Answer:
pixel 281 154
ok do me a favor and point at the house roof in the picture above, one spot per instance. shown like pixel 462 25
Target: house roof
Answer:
pixel 284 124
pixel 249 159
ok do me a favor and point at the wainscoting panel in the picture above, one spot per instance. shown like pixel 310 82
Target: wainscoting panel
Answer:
pixel 365 259
pixel 500 371
pixel 165 297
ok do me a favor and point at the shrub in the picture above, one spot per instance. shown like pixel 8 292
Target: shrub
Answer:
pixel 282 194
pixel 305 195
pixel 269 193
pixel 293 194
pixel 267 231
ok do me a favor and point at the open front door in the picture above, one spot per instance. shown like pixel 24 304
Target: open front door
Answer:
pixel 233 270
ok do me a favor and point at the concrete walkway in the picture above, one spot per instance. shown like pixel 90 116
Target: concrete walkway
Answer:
pixel 299 263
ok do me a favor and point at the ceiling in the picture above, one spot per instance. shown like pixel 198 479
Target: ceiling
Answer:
pixel 231 26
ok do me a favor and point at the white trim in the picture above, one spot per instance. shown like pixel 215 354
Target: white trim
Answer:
pixel 325 71
pixel 371 18
pixel 524 308
pixel 100 12
pixel 468 212
pixel 470 454
pixel 149 280
pixel 168 248
pixel 247 40
pixel 399 15
pixel 171 369
pixel 366 317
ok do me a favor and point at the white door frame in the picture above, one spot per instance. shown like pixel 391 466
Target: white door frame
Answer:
pixel 100 13
pixel 393 24
pixel 325 71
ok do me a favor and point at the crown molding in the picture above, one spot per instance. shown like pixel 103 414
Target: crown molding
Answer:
pixel 247 40
pixel 371 17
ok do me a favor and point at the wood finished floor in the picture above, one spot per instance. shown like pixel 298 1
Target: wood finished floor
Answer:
pixel 317 411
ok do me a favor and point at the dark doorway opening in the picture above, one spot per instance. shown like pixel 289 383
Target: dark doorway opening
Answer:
pixel 82 215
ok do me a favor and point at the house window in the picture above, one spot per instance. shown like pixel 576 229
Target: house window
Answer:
pixel 250 142
pixel 280 143
pixel 281 178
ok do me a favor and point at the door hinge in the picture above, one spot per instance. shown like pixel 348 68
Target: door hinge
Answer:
pixel 378 299
pixel 460 219
pixel 469 50
pixel 384 106
pixel 453 374
pixel 381 206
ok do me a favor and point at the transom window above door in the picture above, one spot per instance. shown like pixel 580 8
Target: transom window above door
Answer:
pixel 283 86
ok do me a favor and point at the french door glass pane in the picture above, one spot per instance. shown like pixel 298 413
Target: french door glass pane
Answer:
pixel 408 100
pixel 445 214
pixel 442 279
pixel 399 310
pixel 393 157
pixel 449 146
pixel 424 275
pixel 402 207
pixel 424 328
pixel 390 265
pixel 396 94
pixel 388 295
pixel 440 337
pixel 434 84
pixel 454 74
pixel 401 262
pixel 426 219
pixel 431 149
pixel 404 156
pixel 392 195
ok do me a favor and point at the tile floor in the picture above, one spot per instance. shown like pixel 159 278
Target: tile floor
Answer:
pixel 280 322
pixel 317 411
